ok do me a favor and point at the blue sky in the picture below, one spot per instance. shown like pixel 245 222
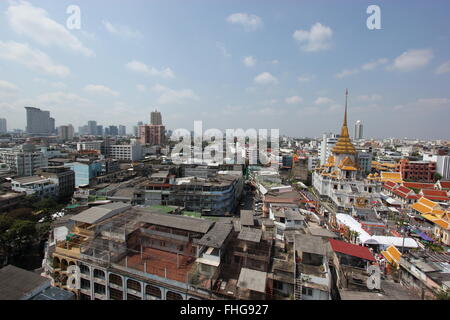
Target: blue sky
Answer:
pixel 232 64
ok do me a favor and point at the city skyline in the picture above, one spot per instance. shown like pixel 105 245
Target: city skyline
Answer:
pixel 262 65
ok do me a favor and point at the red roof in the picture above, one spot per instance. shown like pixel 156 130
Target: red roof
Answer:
pixel 390 185
pixel 405 192
pixel 437 195
pixel 351 249
pixel 419 185
pixel 445 184
pixel 432 192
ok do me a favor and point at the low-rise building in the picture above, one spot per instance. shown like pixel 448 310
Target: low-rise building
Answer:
pixel 37 185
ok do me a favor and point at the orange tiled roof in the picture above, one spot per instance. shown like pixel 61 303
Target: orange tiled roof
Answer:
pixel 421 208
pixel 391 176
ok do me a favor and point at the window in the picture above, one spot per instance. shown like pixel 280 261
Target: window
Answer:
pixel 133 285
pixel 99 288
pixel 173 296
pixel 115 279
pixel 153 291
pixel 307 291
pixel 84 296
pixel 85 284
pixel 115 294
pixel 99 274
pixel 84 269
pixel 132 297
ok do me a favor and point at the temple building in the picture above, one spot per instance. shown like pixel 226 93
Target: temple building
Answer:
pixel 341 179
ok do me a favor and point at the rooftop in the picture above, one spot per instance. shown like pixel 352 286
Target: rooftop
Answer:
pixel 253 280
pixel 19 284
pixel 97 214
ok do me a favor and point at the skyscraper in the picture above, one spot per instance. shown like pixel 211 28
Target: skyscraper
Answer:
pixel 66 132
pixel 92 127
pixel 155 118
pixel 113 131
pixel 122 130
pixel 39 121
pixel 3 127
pixel 358 130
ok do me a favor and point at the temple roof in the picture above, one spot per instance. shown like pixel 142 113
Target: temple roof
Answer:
pixel 344 145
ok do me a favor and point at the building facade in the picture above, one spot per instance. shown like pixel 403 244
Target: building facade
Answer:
pixel 38 121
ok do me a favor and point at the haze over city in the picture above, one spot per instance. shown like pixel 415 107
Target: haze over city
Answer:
pixel 257 64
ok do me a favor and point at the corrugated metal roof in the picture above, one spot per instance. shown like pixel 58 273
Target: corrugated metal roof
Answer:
pixel 178 222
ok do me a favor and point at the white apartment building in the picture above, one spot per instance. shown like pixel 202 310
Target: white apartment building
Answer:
pixel 23 163
pixel 37 185
pixel 129 152
pixel 328 142
pixel 442 164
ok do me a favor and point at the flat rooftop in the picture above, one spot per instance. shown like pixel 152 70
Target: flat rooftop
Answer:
pixel 17 283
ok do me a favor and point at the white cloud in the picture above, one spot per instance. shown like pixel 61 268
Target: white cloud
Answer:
pixel 293 100
pixel 121 30
pixel 425 104
pixel 370 66
pixel 60 98
pixel 141 87
pixel 306 77
pixel 57 85
pixel 346 72
pixel 171 96
pixel 265 78
pixel 323 100
pixel 34 23
pixel 443 68
pixel 368 98
pixel 412 60
pixel 373 64
pixel 223 50
pixel 250 22
pixel 31 58
pixel 100 89
pixel 316 39
pixel 140 67
pixel 249 61
pixel 7 86
pixel 275 61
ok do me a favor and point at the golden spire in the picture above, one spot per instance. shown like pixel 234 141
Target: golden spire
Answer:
pixel 344 145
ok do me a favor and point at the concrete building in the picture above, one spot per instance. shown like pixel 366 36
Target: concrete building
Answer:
pixel 155 118
pixel 442 164
pixel 21 284
pixel 218 195
pixel 92 127
pixel 152 134
pixel 85 171
pixel 358 130
pixel 24 160
pixel 90 145
pixel 39 121
pixel 3 127
pixel 191 258
pixel 113 131
pixel 364 159
pixel 37 185
pixel 129 152
pixel 422 171
pixel 66 132
pixel 122 131
pixel 64 177
pixel 99 130
pixel 328 142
